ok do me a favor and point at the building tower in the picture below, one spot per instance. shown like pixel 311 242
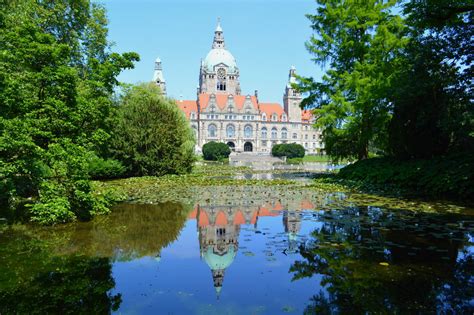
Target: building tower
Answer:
pixel 219 73
pixel 292 99
pixel 158 77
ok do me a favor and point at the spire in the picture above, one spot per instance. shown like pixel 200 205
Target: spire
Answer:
pixel 219 28
pixel 218 36
pixel 158 77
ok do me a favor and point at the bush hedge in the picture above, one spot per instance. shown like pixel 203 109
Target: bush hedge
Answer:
pixel 290 150
pixel 215 151
pixel 444 177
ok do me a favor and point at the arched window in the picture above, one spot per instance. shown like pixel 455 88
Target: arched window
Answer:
pixel 283 117
pixel 230 131
pixel 221 86
pixel 248 131
pixel 264 133
pixel 274 133
pixel 274 117
pixel 264 117
pixel 284 133
pixel 212 131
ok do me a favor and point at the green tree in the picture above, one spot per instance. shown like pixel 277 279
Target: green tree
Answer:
pixel 290 150
pixel 57 76
pixel 357 43
pixel 215 151
pixel 151 134
pixel 432 97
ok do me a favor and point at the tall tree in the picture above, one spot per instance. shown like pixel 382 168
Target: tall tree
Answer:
pixel 432 97
pixel 356 42
pixel 57 75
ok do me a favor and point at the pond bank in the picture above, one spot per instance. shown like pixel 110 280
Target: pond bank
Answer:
pixel 450 177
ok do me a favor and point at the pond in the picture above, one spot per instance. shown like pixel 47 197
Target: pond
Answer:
pixel 308 251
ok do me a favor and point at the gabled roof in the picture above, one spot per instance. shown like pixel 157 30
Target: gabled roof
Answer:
pixel 272 108
pixel 221 100
pixel 306 115
pixel 187 107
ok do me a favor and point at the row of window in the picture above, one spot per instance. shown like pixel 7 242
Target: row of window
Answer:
pixel 306 144
pixel 244 117
pixel 248 132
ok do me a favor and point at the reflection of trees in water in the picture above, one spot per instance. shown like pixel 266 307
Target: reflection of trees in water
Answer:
pixel 428 271
pixel 130 231
pixel 63 285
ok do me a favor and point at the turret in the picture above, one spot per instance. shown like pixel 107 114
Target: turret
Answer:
pixel 158 77
pixel 292 98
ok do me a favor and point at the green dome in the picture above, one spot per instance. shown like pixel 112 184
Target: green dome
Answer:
pixel 217 56
pixel 217 262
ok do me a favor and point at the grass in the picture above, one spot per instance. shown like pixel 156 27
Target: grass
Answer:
pixel 314 159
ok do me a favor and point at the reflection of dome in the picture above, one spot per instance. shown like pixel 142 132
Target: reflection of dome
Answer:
pixel 292 237
pixel 218 56
pixel 217 262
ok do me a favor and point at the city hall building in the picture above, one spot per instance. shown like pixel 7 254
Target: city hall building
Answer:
pixel 222 113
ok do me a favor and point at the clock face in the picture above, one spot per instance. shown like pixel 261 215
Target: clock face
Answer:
pixel 221 73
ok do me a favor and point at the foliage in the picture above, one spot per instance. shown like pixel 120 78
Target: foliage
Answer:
pixel 290 150
pixel 151 135
pixel 448 176
pixel 432 96
pixel 215 151
pixel 358 43
pixel 100 168
pixel 57 76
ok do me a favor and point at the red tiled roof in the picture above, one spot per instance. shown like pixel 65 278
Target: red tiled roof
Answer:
pixel 221 100
pixel 203 219
pixel 239 218
pixel 187 107
pixel 271 108
pixel 306 115
pixel 221 219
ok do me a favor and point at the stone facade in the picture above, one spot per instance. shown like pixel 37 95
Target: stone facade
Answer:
pixel 221 113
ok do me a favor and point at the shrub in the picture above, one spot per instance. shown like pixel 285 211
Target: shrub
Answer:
pixel 290 150
pixel 152 136
pixel 449 176
pixel 105 169
pixel 215 151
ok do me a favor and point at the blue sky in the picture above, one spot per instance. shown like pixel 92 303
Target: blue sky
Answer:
pixel 265 36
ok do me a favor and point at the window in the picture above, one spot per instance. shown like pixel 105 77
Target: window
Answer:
pixel 212 131
pixel 284 133
pixel 283 117
pixel 295 136
pixel 274 133
pixel 248 131
pixel 264 116
pixel 314 137
pixel 230 131
pixel 221 86
pixel 306 136
pixel 264 133
pixel 274 117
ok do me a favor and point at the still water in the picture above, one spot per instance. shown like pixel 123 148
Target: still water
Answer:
pixel 273 258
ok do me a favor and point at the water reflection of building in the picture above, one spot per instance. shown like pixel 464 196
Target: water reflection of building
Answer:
pixel 219 230
pixel 292 223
